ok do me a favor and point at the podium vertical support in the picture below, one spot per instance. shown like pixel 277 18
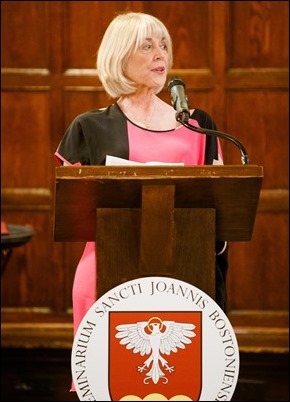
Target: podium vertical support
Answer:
pixel 157 231
pixel 156 240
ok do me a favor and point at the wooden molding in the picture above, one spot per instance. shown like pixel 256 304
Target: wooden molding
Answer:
pixel 60 336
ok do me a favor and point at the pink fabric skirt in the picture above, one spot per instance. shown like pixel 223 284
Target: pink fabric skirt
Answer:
pixel 84 287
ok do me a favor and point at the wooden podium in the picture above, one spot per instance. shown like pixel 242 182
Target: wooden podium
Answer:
pixel 156 220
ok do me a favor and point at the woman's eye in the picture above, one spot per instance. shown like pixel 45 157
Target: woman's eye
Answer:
pixel 146 46
pixel 149 46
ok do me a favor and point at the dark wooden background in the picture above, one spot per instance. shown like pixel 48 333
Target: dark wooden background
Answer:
pixel 233 57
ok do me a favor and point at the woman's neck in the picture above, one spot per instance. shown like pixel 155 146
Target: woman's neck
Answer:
pixel 148 112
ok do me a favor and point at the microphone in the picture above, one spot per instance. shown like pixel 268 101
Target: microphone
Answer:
pixel 179 99
pixel 180 103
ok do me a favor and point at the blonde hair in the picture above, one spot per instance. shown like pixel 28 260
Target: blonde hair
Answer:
pixel 123 36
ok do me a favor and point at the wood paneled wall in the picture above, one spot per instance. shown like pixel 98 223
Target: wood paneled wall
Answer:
pixel 233 57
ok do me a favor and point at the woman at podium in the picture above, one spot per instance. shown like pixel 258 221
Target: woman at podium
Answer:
pixel 133 62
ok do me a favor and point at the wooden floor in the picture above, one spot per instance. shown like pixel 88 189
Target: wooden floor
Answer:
pixel 41 374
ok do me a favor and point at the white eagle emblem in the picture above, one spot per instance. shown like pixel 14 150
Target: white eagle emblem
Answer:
pixel 155 341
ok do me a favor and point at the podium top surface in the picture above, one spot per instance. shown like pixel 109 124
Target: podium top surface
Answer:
pixel 233 190
pixel 163 172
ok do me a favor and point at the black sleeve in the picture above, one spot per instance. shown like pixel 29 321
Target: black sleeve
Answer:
pixel 205 121
pixel 93 135
pixel 73 146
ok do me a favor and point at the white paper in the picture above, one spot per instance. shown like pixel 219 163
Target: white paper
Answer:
pixel 115 161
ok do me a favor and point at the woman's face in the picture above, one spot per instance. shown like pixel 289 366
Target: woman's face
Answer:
pixel 148 66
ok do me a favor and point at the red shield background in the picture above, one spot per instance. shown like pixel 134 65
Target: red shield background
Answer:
pixel 124 377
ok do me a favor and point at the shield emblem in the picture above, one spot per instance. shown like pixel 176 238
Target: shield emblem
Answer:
pixel 155 353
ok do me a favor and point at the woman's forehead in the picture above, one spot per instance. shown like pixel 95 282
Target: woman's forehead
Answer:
pixel 150 34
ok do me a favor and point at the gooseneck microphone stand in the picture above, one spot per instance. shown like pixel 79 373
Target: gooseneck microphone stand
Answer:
pixel 183 117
